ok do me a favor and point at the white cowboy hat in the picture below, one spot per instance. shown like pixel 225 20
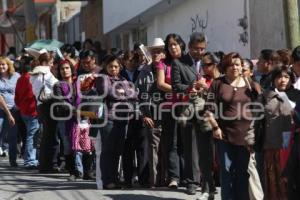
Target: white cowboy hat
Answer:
pixel 157 43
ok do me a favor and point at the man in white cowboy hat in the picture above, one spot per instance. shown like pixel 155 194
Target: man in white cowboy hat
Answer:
pixel 157 43
pixel 146 83
pixel 157 50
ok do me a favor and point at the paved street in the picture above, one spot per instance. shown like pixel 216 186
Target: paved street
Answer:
pixel 20 184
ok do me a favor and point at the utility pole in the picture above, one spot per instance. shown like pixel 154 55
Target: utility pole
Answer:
pixel 292 23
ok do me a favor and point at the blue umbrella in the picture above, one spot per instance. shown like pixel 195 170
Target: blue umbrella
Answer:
pixel 50 45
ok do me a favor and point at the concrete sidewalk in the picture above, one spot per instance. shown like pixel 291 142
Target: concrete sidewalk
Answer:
pixel 21 184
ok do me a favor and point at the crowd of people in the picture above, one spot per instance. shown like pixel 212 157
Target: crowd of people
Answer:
pixel 180 117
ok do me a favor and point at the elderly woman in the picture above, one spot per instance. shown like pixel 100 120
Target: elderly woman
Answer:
pixel 42 81
pixel 232 94
pixel 117 92
pixel 8 81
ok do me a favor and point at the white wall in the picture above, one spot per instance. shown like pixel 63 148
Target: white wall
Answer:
pixel 267 26
pixel 117 12
pixel 222 23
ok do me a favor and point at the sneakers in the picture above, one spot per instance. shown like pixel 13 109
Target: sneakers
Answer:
pixel 72 178
pixel 78 175
pixel 206 196
pixel 14 164
pixel 191 189
pixel 4 153
pixel 89 176
pixel 173 185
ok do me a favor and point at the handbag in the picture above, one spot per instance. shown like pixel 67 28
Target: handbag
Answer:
pixel 42 97
pixel 80 138
pixel 255 188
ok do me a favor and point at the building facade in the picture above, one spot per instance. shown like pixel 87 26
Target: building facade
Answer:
pixel 81 20
pixel 232 25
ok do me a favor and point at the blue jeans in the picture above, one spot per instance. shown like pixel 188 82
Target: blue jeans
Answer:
pixel 66 140
pixel 83 162
pixel 78 162
pixel 32 127
pixel 234 162
pixel 11 132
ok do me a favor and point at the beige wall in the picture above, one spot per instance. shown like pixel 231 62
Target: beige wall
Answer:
pixel 92 21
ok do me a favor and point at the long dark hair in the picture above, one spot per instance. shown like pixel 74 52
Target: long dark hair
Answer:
pixel 59 77
pixel 179 40
pixel 25 64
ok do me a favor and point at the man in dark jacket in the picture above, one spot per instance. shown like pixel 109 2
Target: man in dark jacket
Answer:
pixel 186 80
pixel 136 142
pixel 267 61
pixel 146 84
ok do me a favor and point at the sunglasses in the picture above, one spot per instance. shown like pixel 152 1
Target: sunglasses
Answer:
pixel 206 64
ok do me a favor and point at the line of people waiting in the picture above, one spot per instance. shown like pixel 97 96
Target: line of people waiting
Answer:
pixel 191 119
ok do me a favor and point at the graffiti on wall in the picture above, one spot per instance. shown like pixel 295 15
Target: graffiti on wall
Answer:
pixel 199 23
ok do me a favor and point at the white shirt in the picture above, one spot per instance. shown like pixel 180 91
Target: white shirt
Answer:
pixel 297 83
pixel 36 80
pixel 197 64
pixel 291 105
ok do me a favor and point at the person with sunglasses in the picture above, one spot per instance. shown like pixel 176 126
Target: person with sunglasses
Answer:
pixel 247 69
pixel 209 64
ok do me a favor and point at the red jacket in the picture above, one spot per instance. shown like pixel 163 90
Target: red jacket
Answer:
pixel 24 97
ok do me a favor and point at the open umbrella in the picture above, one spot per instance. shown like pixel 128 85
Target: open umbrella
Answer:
pixel 35 53
pixel 39 46
pixel 50 45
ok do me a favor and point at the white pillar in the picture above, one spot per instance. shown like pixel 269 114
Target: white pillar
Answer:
pixel 4 5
